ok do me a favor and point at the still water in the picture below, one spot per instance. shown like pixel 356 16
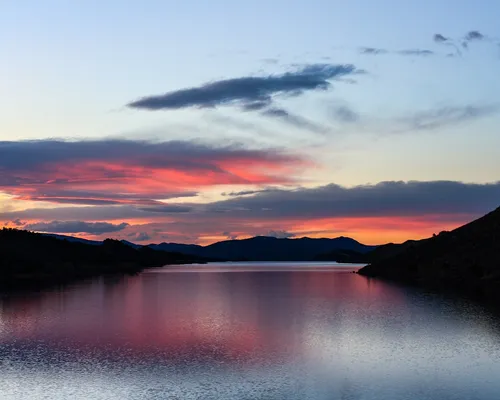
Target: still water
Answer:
pixel 246 331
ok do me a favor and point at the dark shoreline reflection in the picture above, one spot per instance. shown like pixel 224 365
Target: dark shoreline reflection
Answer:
pixel 280 333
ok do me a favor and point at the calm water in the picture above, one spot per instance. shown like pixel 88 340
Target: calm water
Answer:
pixel 293 331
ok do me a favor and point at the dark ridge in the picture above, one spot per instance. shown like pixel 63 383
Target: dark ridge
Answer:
pixel 464 261
pixel 264 248
pixel 31 260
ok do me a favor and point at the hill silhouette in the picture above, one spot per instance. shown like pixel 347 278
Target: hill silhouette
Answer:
pixel 33 259
pixel 265 248
pixel 465 260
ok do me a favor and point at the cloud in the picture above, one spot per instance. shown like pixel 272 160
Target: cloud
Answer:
pixel 93 228
pixel 345 114
pixel 229 235
pixel 405 52
pixel 293 119
pixel 416 52
pixel 438 38
pixel 464 41
pixel 167 209
pixel 247 192
pixel 280 234
pixel 331 209
pixel 372 50
pixel 474 35
pixel 114 172
pixel 249 93
pixel 139 236
pixel 445 116
pixel 393 198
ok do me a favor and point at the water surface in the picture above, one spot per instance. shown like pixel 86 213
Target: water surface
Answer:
pixel 246 331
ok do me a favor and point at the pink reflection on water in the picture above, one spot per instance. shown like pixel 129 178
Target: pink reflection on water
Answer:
pixel 222 316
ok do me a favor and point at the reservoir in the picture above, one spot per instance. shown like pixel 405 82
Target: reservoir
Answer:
pixel 246 331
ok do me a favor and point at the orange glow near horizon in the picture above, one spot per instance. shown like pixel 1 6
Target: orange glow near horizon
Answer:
pixel 367 230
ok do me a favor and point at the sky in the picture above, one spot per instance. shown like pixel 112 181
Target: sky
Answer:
pixel 194 122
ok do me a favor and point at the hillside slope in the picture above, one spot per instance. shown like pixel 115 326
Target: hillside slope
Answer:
pixel 465 260
pixel 32 259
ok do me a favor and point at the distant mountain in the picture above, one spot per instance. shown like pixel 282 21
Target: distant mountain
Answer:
pixel 263 248
pixel 465 260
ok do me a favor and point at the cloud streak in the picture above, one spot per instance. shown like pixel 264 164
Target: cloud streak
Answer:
pixel 446 116
pixel 250 93
pixel 405 52
pixel 92 228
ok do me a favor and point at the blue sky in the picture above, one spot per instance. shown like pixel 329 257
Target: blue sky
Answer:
pixel 72 69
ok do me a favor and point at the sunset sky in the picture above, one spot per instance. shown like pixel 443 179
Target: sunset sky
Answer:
pixel 198 121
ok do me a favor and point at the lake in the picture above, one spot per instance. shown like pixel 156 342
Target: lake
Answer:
pixel 246 331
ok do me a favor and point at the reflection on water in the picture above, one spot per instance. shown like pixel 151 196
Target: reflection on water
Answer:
pixel 283 333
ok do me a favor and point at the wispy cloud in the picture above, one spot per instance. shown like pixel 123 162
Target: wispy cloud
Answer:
pixel 372 50
pixel 438 38
pixel 93 228
pixel 415 52
pixel 250 92
pixel 422 120
pixel 464 41
pixel 293 119
pixel 405 52
pixel 345 114
pixel 446 116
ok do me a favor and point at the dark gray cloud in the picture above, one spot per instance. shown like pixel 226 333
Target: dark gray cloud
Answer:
pixel 383 199
pixel 93 228
pixel 104 212
pixel 445 116
pixel 183 155
pixel 248 92
pixel 166 209
pixel 438 38
pixel 474 35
